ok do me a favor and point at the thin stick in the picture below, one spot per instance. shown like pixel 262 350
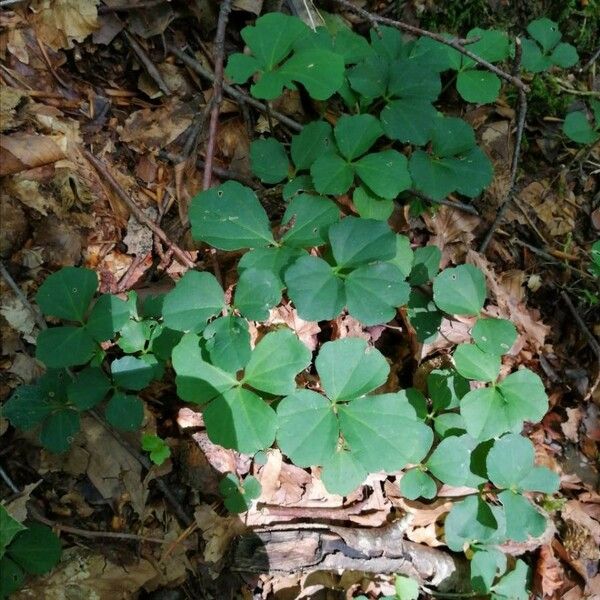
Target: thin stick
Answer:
pixel 590 62
pixel 217 97
pixel 142 218
pixel 454 204
pixel 9 482
pixel 236 94
pixel 593 342
pixel 453 42
pixel 550 258
pixel 148 65
pixel 86 533
pixel 21 296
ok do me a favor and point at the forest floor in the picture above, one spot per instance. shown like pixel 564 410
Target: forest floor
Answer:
pixel 82 75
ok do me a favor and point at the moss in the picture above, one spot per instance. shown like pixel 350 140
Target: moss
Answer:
pixel 544 100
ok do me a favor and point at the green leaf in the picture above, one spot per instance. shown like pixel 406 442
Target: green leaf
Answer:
pixel 275 362
pixel 134 335
pixel 486 565
pixel 308 217
pixel 417 484
pixel 450 461
pixel 472 521
pixel 108 316
pixel 256 293
pixel 370 78
pixel 67 293
pixel 386 173
pixel 157 447
pixel 125 412
pixel 355 242
pixel 431 175
pixel 163 342
pixel 405 256
pixel 472 172
pixel 27 407
pixel 196 298
pixel 313 141
pixel 370 206
pixel 9 527
pixel 411 79
pixel 343 473
pixel 495 336
pixel 373 292
pixel 532 58
pixel 131 373
pixel 230 217
pixel 493 45
pixel 382 433
pixel 451 136
pixel 349 368
pixel 478 86
pixel 308 428
pixel 423 316
pixel 426 264
pixel 578 128
pixel 564 55
pixel 449 424
pixel 522 519
pixel 269 160
pixel 60 347
pixel 36 550
pixel 238 496
pixel 59 429
pixel 460 290
pixel 518 473
pixel 406 588
pixel 276 260
pixel 11 577
pixel 525 390
pixel 241 420
pixel 228 343
pixel 315 290
pixel 446 388
pixel 332 174
pixel 88 389
pixel 545 32
pixel 240 67
pixel 356 134
pixel 514 585
pixel 409 121
pixel 473 363
pixel 387 42
pixel 197 380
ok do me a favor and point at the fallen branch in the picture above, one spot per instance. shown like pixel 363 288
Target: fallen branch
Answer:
pixel 236 94
pixel 593 342
pixel 142 218
pixel 468 208
pixel 148 65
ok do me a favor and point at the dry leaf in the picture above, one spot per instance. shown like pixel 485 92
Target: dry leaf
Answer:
pixel 23 151
pixel 549 574
pixel 307 331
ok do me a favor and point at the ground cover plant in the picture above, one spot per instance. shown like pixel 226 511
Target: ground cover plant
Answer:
pixel 335 409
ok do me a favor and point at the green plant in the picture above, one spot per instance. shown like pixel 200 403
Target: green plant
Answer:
pixel 324 260
pixel 24 550
pixel 577 127
pixel 544 49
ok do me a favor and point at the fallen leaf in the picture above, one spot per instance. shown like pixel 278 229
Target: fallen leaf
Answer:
pixel 23 151
pixel 549 574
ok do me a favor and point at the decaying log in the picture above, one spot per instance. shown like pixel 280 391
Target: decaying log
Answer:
pixel 374 550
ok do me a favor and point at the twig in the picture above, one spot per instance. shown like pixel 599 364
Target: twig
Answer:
pixel 522 113
pixel 454 204
pixel 21 296
pixel 593 342
pixel 550 258
pixel 137 212
pixel 148 65
pixel 453 42
pixel 590 62
pixel 114 535
pixel 9 482
pixel 217 97
pixel 236 94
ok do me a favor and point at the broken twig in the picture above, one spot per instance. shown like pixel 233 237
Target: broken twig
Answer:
pixel 148 65
pixel 593 342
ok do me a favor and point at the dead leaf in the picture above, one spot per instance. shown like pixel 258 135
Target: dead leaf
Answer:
pixel 23 151
pixel 307 331
pixel 549 574
pixel 19 317
pixel 10 98
pixel 17 509
pixel 139 238
pixel 217 531
pixel 570 427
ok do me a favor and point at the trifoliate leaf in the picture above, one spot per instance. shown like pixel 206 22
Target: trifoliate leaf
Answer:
pixel 134 336
pixel 67 293
pixel 275 362
pixel 451 136
pixel 157 447
pixel 370 206
pixel 256 293
pixel 374 291
pixel 386 173
pixel 564 55
pixel 349 368
pixel 37 550
pixel 411 79
pixel 230 217
pixel 460 290
pixel 472 172
pixel 370 78
pixel 532 58
pixel 343 473
pixel 28 406
pixel 331 174
pixel 237 495
pixel 308 428
pixel 60 347
pixel 355 242
pixel 408 121
pixel 473 363
pixel 196 298
pixel 163 342
pixel 450 461
pixel 417 484
pixel 355 134
pixel 426 264
pixel 486 565
pixel 125 412
pixel 545 32
pixel 276 260
pixel 108 316
pixel 522 519
pixel 445 388
pixel 313 141
pixel 241 420
pixel 514 585
pixel 308 217
pixel 494 336
pixel 228 343
pixel 433 176
pixel 316 291
pixel 269 160
pixel 478 86
pixel 388 42
pixel 131 373
pixel 89 388
pixel 59 429
pixel 579 129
